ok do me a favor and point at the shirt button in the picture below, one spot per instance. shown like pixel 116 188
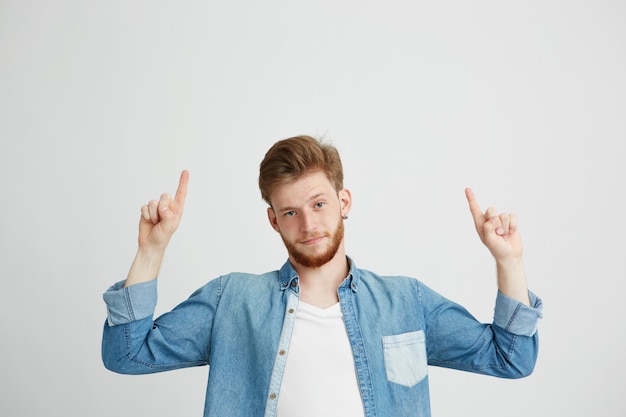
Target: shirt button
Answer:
pixel 282 352
pixel 294 284
pixel 291 310
pixel 273 396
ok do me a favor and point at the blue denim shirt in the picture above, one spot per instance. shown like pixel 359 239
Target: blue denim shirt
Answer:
pixel 241 324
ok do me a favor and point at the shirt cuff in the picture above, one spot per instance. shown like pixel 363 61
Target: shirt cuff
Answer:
pixel 516 317
pixel 131 303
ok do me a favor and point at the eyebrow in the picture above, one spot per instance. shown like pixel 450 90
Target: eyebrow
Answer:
pixel 313 197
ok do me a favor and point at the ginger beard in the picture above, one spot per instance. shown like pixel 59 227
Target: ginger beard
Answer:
pixel 315 261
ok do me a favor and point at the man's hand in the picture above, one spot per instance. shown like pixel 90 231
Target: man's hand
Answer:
pixel 159 220
pixel 497 231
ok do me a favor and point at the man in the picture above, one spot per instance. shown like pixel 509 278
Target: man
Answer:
pixel 319 337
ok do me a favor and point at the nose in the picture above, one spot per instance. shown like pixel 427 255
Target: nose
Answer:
pixel 307 222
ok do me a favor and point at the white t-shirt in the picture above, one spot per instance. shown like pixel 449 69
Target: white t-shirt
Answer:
pixel 320 378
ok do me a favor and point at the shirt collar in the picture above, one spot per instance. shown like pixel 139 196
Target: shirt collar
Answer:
pixel 289 277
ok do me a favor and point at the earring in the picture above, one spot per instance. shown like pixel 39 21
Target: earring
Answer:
pixel 345 217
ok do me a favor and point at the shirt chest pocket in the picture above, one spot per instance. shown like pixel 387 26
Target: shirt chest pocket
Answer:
pixel 405 358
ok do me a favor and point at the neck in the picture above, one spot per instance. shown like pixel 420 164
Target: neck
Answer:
pixel 318 286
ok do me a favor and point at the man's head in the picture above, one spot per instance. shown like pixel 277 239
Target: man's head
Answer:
pixel 293 158
pixel 302 181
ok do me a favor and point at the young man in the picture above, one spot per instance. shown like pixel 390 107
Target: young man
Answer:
pixel 319 337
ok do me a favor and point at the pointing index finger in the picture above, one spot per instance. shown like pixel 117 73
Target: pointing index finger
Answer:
pixel 181 192
pixel 474 207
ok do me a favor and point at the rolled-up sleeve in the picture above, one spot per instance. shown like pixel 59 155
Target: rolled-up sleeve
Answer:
pixel 516 317
pixel 128 304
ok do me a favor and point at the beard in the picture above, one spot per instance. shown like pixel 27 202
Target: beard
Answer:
pixel 316 261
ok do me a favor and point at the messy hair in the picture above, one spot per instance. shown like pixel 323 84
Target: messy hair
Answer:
pixel 290 159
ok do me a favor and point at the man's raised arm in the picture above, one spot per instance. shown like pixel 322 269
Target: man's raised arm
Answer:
pixel 499 234
pixel 159 220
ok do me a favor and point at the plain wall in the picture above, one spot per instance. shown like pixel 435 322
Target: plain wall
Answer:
pixel 103 103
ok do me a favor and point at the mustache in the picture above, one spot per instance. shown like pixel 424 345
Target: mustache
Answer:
pixel 314 236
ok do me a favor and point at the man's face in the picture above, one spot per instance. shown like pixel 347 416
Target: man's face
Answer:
pixel 308 215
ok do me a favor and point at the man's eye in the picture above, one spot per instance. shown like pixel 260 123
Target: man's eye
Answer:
pixel 290 213
pixel 320 204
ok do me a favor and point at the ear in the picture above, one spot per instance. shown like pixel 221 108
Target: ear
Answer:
pixel 271 216
pixel 345 200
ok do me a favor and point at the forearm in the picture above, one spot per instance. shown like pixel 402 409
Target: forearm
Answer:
pixel 505 348
pixel 136 343
pixel 145 266
pixel 512 279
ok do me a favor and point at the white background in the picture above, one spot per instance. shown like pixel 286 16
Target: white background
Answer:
pixel 103 103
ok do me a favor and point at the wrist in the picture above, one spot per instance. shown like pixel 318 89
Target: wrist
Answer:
pixel 512 279
pixel 146 266
pixel 509 263
pixel 150 253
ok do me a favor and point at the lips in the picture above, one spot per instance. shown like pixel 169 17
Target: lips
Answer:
pixel 313 240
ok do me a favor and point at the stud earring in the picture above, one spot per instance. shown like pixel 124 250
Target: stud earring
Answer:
pixel 345 217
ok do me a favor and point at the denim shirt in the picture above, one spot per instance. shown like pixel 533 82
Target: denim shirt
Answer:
pixel 240 325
